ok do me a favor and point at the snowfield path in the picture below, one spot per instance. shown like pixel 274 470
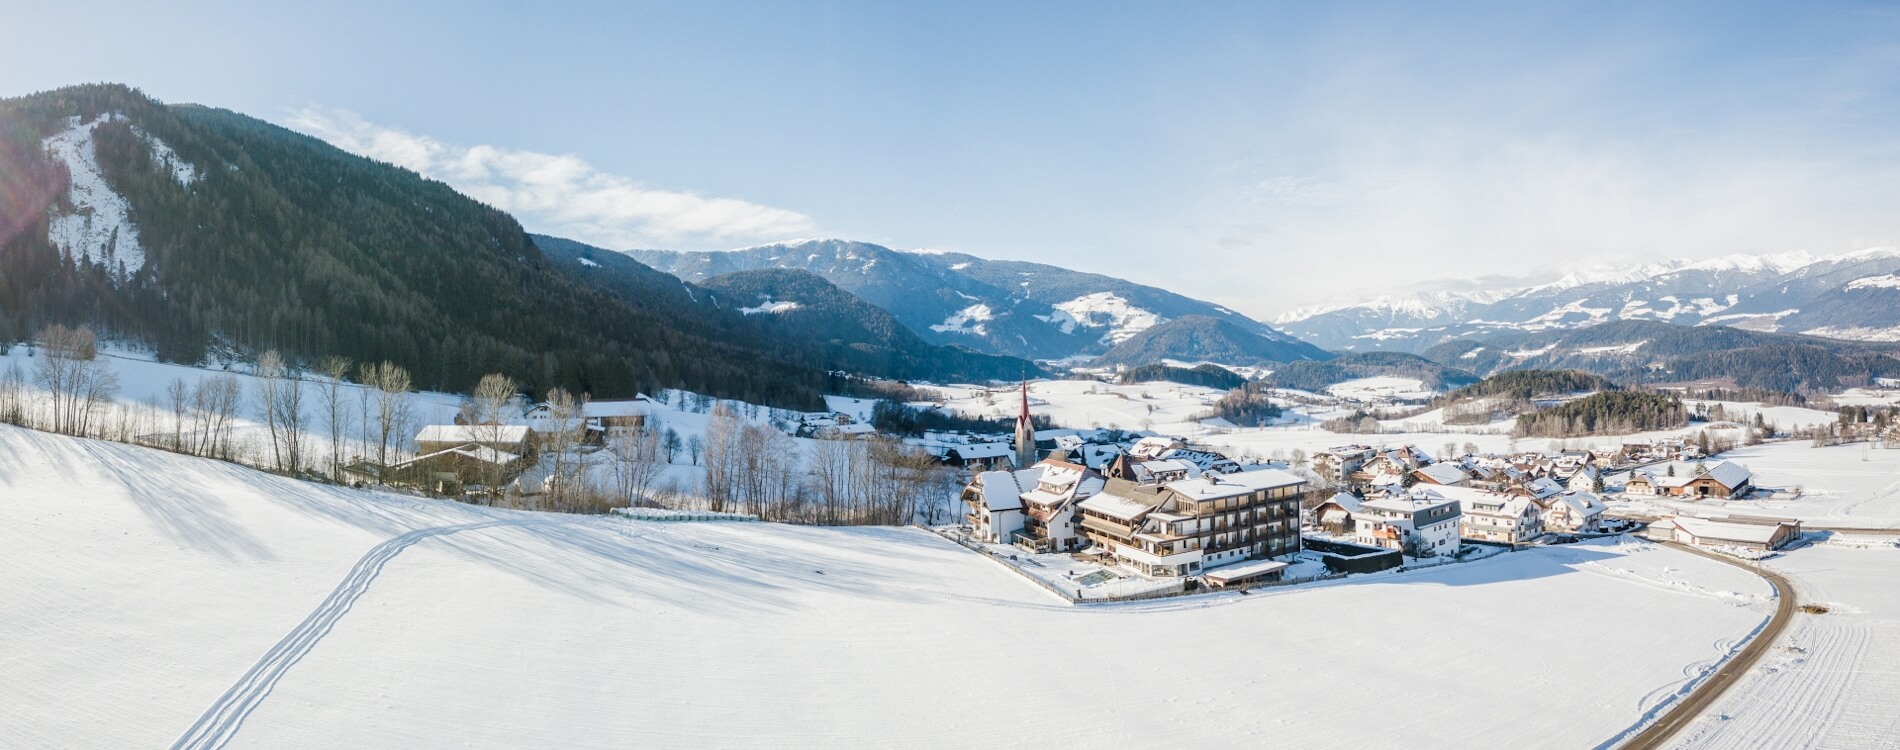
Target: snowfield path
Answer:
pixel 221 721
pixel 1687 710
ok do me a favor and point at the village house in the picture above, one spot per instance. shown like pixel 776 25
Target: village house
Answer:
pixel 1723 480
pixel 1492 516
pixel 1049 523
pixel 1182 528
pixel 1334 516
pixel 995 502
pixel 1574 511
pixel 1418 523
pixel 1336 465
pixel 1444 474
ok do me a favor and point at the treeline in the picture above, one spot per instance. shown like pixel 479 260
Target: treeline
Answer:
pixel 284 242
pixel 1523 385
pixel 1316 376
pixel 1206 376
pixel 1250 405
pixel 896 418
pixel 1606 413
pixel 1791 368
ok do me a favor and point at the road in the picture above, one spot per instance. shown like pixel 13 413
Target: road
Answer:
pixel 1687 710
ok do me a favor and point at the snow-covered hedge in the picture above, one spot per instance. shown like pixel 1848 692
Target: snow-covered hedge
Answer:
pixel 663 514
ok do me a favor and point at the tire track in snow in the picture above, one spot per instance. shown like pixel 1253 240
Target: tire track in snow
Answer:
pixel 221 721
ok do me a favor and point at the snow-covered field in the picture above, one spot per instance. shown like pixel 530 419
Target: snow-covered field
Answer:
pixel 1382 389
pixel 1833 680
pixel 147 589
pixel 1853 486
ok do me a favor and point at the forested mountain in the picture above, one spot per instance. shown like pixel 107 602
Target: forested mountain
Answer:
pixel 1607 413
pixel 1853 296
pixel 1634 351
pixel 1209 376
pixel 201 231
pixel 1318 375
pixel 1197 338
pixel 1020 309
pixel 845 332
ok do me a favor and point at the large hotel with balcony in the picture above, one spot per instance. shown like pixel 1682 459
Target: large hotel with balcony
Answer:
pixel 1182 528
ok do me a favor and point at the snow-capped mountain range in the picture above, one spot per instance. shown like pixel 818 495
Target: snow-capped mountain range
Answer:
pixel 1013 308
pixel 1839 296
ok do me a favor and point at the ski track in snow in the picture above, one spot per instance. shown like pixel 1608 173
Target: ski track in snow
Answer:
pixel 220 722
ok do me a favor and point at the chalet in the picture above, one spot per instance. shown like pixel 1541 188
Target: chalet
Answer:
pixel 995 501
pixel 1493 516
pixel 1335 465
pixel 507 438
pixel 1444 474
pixel 599 419
pixel 1419 523
pixel 1335 515
pixel 1574 511
pixel 1724 480
pixel 980 455
pixel 1049 523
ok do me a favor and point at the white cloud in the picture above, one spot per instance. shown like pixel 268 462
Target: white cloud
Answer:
pixel 562 195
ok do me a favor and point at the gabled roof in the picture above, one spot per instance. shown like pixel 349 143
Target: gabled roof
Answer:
pixel 1443 473
pixel 1003 490
pixel 1729 473
pixel 461 433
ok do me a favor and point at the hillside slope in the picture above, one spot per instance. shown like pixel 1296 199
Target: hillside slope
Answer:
pixel 1197 338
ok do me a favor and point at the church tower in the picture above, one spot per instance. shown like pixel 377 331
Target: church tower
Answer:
pixel 1025 433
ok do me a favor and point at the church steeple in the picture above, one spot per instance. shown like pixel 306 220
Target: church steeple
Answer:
pixel 1025 433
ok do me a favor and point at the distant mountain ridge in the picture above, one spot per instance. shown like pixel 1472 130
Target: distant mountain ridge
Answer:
pixel 1640 351
pixel 1837 296
pixel 1016 308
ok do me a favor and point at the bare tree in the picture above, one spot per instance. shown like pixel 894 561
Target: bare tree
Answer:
pixel 280 403
pixel 392 409
pixel 334 408
pixel 695 446
pixel 69 369
pixel 178 397
pixel 638 460
pixel 13 395
pixel 487 410
pixel 565 466
pixel 723 456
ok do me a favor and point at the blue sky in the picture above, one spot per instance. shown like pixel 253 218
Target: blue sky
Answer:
pixel 1260 155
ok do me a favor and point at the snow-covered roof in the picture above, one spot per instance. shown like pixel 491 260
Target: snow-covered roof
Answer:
pixel 461 433
pixel 1411 502
pixel 1582 503
pixel 477 452
pixel 1243 569
pixel 1444 473
pixel 1703 528
pixel 1347 500
pixel 1729 473
pixel 1231 485
pixel 1003 490
pixel 1115 506
pixel 632 407
pixel 981 450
